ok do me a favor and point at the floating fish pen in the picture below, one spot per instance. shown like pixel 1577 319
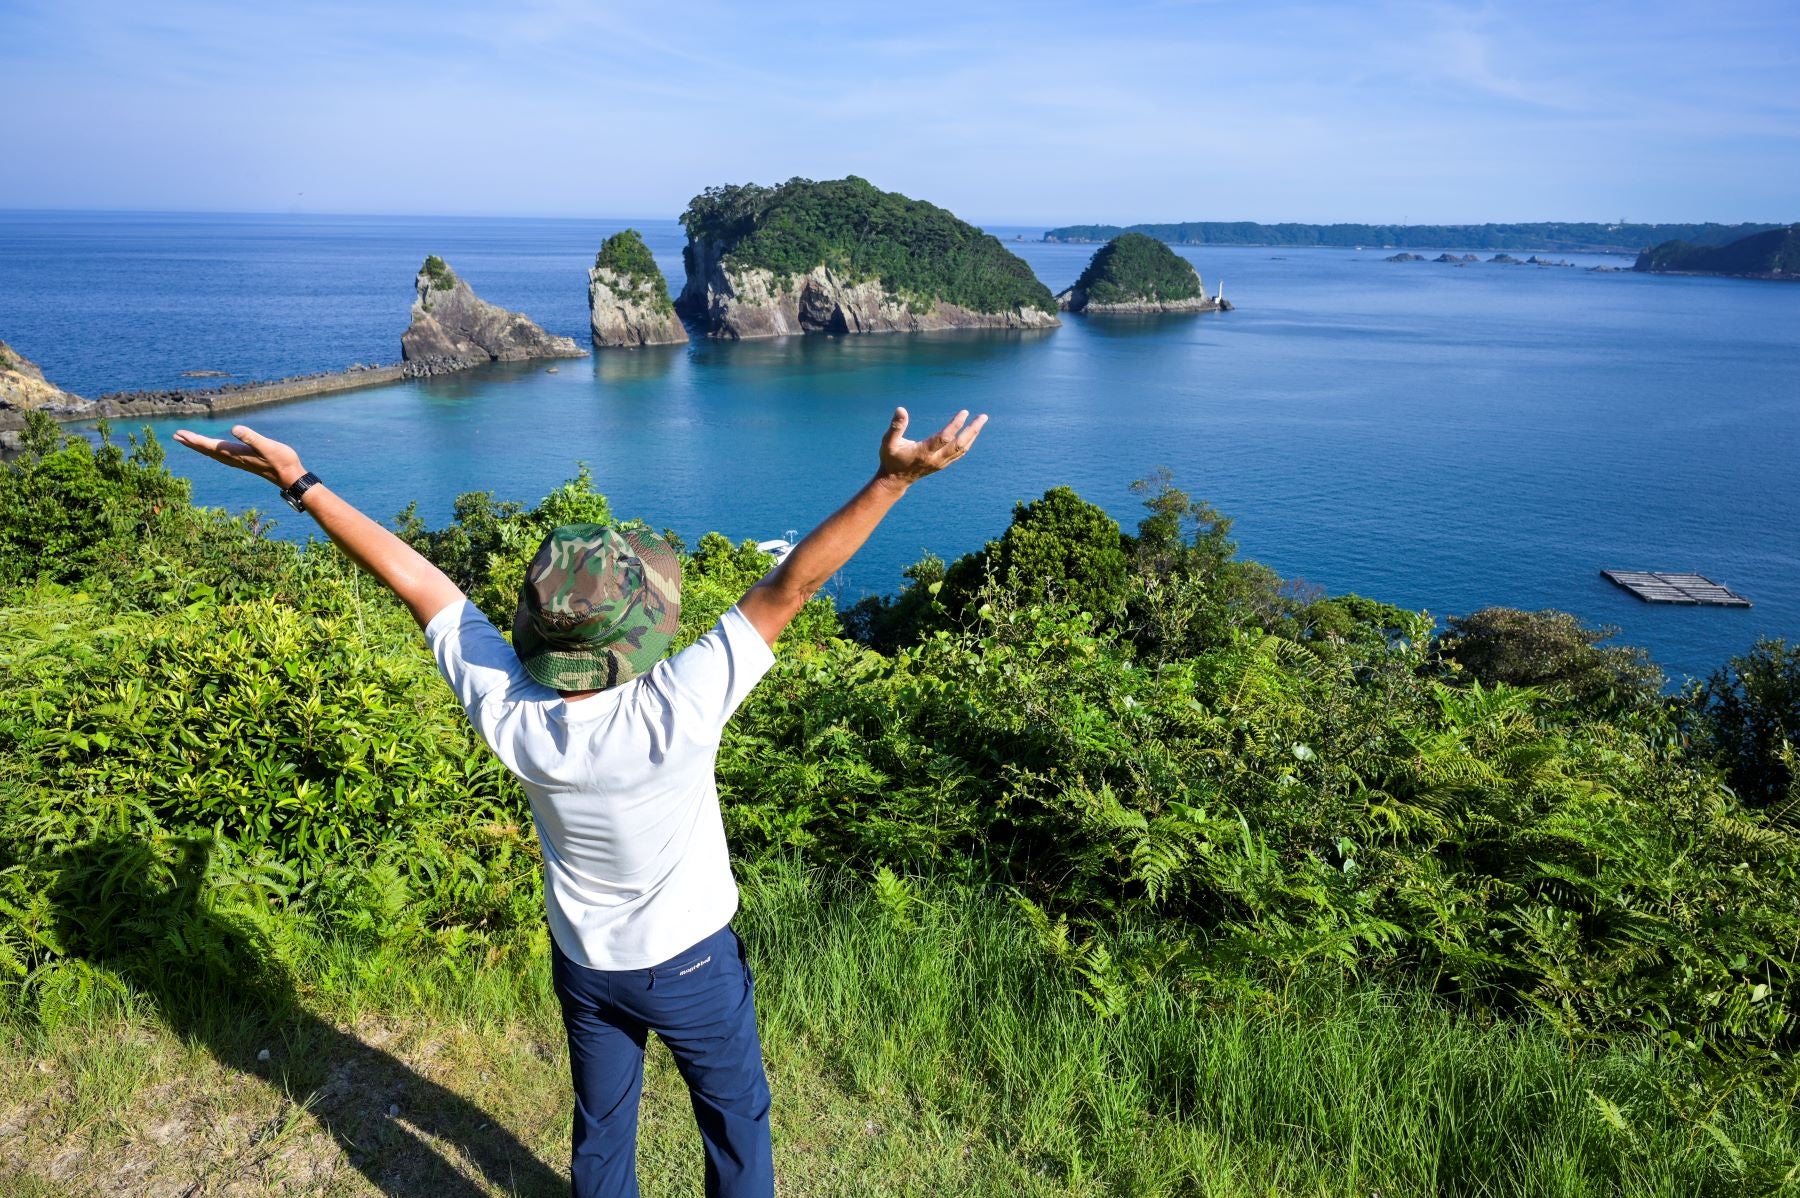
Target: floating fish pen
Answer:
pixel 1690 589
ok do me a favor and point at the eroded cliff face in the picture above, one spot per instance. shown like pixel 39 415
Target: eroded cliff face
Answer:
pixel 23 389
pixel 453 326
pixel 626 316
pixel 744 304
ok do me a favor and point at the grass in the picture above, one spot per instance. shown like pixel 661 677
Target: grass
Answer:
pixel 923 1047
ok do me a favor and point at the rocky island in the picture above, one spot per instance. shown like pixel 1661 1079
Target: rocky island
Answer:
pixel 842 256
pixel 453 327
pixel 628 299
pixel 1774 254
pixel 23 389
pixel 1135 273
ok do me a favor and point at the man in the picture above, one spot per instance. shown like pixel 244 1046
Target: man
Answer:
pixel 615 749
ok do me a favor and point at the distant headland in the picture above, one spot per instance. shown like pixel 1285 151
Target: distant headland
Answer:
pixel 1773 254
pixel 1561 236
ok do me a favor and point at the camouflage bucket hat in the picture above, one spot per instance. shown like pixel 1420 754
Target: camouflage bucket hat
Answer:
pixel 599 607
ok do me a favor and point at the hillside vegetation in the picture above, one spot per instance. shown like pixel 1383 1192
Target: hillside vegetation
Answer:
pixel 1774 254
pixel 1567 236
pixel 626 256
pixel 1096 861
pixel 917 250
pixel 1133 268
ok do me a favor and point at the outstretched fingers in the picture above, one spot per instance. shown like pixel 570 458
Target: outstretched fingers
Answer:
pixel 968 435
pixel 231 453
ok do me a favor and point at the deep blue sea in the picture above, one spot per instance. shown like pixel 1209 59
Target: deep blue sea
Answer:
pixel 1435 436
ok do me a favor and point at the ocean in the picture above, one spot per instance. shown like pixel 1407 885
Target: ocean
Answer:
pixel 1434 436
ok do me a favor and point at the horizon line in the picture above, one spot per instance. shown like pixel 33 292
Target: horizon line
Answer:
pixel 1407 224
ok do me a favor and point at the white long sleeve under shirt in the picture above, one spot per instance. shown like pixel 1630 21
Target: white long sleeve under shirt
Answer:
pixel 621 783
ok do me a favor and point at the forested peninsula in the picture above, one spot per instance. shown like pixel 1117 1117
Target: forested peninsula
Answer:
pixel 1568 237
pixel 1774 254
pixel 842 256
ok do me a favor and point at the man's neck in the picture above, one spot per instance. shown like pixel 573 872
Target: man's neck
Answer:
pixel 572 696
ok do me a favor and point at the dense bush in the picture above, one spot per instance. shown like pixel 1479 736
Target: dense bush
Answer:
pixel 1133 268
pixel 1550 650
pixel 1126 731
pixel 919 252
pixel 1747 715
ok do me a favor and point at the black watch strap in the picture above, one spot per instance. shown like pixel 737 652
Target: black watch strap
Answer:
pixel 300 486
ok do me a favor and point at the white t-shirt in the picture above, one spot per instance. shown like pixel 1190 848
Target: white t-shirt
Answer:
pixel 621 783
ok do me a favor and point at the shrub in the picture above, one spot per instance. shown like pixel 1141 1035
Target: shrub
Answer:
pixel 438 272
pixel 1553 650
pixel 1747 716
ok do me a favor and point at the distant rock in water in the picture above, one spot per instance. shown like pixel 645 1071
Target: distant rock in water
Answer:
pixel 1771 255
pixel 842 256
pixel 1534 260
pixel 1405 257
pixel 1135 273
pixel 453 327
pixel 1506 260
pixel 628 299
pixel 1456 259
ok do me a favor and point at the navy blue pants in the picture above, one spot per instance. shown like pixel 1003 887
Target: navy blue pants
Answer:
pixel 700 1003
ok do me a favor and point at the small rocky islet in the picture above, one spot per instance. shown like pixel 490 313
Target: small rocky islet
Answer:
pixel 1135 273
pixel 628 298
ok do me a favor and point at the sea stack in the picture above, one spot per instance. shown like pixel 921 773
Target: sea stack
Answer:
pixel 453 327
pixel 628 298
pixel 842 256
pixel 1134 273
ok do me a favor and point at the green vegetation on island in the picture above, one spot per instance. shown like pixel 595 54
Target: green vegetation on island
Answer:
pixel 1566 236
pixel 1135 269
pixel 626 256
pixel 1773 254
pixel 918 251
pixel 1096 861
pixel 438 272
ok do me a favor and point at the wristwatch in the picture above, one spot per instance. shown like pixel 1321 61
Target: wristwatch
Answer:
pixel 300 486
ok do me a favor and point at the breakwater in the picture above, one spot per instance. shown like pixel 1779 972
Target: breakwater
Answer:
pixel 203 402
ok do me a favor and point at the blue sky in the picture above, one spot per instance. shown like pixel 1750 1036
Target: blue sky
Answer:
pixel 1384 110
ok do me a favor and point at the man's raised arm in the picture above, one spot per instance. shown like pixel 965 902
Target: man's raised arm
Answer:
pixel 783 591
pixel 424 588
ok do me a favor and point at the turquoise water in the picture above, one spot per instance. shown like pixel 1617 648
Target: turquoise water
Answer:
pixel 1435 436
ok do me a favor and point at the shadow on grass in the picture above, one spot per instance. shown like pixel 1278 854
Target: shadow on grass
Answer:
pixel 137 912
